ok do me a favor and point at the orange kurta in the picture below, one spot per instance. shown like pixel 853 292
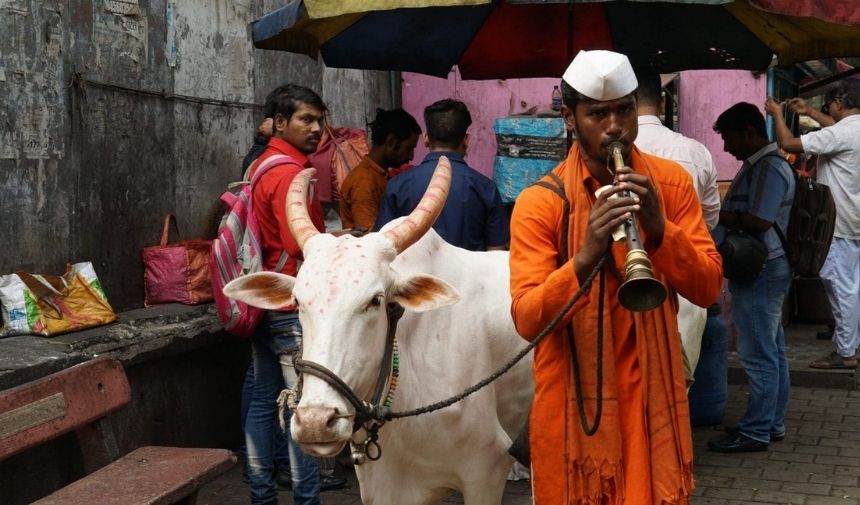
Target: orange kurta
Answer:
pixel 642 451
pixel 361 194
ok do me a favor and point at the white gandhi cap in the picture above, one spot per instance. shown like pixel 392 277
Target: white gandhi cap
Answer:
pixel 601 75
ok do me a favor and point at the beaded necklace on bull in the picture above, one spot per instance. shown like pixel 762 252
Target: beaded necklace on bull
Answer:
pixel 369 416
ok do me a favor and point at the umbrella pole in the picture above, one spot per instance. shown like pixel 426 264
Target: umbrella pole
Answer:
pixel 570 138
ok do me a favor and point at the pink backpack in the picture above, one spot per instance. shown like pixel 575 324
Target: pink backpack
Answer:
pixel 237 251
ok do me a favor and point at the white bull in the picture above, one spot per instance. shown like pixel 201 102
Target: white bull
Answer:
pixel 456 331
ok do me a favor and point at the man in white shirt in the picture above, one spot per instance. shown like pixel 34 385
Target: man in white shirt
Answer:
pixel 838 148
pixel 656 139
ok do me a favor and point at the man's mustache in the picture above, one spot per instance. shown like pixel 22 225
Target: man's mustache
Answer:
pixel 612 140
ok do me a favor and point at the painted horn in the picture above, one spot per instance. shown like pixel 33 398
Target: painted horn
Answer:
pixel 416 224
pixel 298 218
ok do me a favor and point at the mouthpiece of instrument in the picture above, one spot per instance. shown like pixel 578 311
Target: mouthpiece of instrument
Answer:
pixel 615 149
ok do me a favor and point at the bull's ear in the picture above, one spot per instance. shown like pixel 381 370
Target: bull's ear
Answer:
pixel 267 290
pixel 424 292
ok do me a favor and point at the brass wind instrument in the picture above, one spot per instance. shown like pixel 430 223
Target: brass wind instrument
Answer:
pixel 640 291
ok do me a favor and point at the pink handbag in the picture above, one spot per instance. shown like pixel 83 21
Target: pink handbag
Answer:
pixel 178 272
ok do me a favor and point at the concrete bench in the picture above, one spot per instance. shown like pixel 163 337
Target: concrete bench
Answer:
pixel 78 399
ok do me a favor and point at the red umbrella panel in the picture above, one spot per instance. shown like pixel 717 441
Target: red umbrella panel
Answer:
pixel 538 40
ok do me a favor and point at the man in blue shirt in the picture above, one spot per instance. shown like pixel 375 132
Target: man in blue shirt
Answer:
pixel 473 217
pixel 758 200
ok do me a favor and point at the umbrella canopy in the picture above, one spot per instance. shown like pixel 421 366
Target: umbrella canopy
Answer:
pixel 521 38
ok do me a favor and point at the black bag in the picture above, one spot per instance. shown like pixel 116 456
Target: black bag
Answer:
pixel 744 255
pixel 519 449
pixel 810 227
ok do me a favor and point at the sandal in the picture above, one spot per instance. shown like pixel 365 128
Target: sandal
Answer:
pixel 834 361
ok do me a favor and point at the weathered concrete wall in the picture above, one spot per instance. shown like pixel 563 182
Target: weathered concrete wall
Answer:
pixel 114 113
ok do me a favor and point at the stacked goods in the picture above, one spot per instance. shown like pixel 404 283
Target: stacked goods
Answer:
pixel 528 147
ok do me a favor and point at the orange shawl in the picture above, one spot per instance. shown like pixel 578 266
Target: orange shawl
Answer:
pixel 569 467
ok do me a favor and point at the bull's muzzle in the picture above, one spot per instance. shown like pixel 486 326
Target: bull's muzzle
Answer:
pixel 320 425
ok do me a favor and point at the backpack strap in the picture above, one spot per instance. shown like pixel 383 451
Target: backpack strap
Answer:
pixel 558 189
pixel 267 164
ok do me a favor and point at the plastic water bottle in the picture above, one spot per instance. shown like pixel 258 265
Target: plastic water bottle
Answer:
pixel 556 98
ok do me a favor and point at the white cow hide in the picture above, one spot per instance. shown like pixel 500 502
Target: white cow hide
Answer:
pixel 445 346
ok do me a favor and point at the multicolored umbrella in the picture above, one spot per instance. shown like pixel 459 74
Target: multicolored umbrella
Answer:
pixel 532 38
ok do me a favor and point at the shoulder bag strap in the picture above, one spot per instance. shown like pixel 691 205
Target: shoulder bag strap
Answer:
pixel 558 189
pixel 165 230
pixel 776 227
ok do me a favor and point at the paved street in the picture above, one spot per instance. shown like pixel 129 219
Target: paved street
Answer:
pixel 818 463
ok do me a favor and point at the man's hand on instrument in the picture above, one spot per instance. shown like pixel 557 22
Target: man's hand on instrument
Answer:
pixel 650 216
pixel 607 214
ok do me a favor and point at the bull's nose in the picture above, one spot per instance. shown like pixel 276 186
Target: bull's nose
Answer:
pixel 323 416
pixel 315 425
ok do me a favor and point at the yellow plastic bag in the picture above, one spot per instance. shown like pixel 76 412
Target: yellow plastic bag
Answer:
pixel 51 305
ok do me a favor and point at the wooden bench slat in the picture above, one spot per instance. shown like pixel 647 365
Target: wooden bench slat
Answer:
pixel 149 475
pixel 33 413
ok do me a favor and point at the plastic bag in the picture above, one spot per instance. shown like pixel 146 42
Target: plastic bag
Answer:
pixel 47 305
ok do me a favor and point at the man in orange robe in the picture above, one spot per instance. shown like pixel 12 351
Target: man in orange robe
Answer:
pixel 627 388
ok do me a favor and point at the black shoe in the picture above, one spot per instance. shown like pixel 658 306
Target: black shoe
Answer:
pixel 736 443
pixel 330 483
pixel 733 431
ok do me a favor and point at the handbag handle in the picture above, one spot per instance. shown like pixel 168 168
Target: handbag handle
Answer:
pixel 165 230
pixel 43 290
pixel 41 287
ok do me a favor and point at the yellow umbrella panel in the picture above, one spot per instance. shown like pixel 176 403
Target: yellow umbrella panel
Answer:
pixel 329 8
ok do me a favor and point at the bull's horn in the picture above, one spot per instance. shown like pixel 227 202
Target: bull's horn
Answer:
pixel 416 224
pixel 298 218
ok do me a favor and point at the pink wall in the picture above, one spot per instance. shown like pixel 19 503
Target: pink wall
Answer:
pixel 704 95
pixel 487 101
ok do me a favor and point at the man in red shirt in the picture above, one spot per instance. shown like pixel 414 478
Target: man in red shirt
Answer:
pixel 298 115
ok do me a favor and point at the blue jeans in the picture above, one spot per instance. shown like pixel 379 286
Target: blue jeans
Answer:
pixel 272 345
pixel 757 314
pixel 282 447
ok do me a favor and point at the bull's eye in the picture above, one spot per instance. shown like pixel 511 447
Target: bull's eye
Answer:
pixel 376 301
